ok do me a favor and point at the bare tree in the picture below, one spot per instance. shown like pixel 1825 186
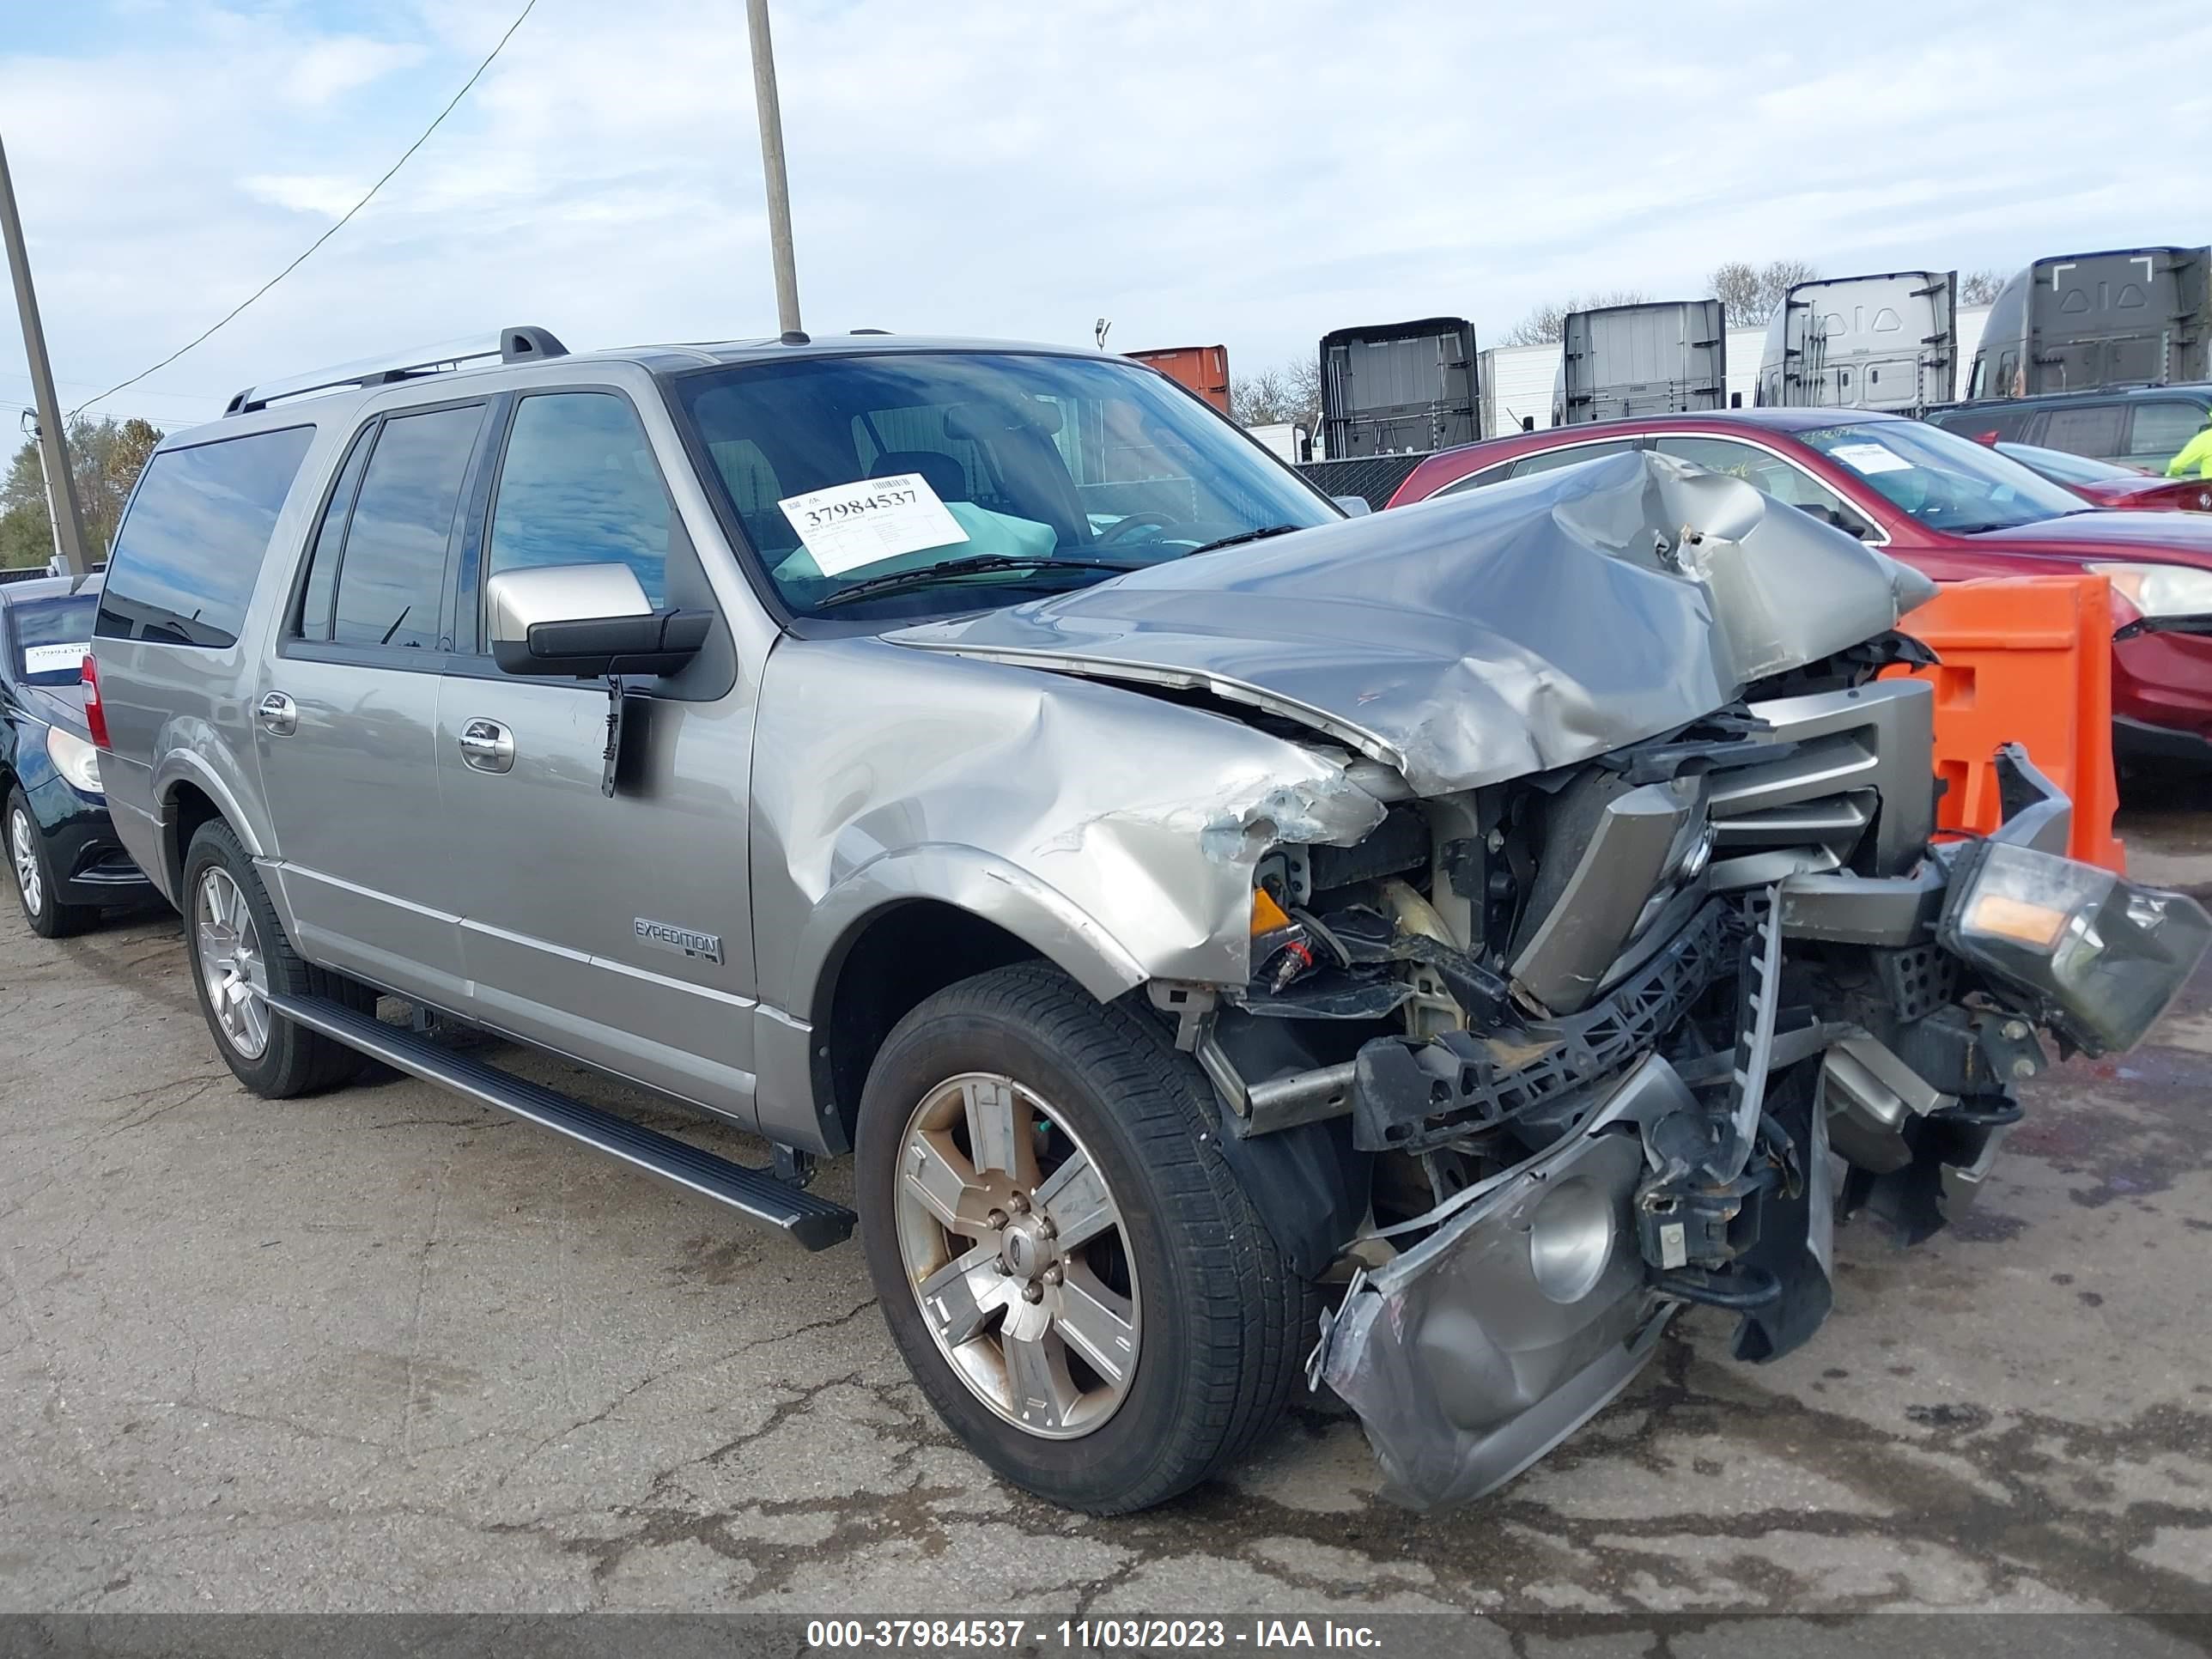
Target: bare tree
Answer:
pixel 1546 324
pixel 1753 293
pixel 1979 288
pixel 1303 374
pixel 1289 391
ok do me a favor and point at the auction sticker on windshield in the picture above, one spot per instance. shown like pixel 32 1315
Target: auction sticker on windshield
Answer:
pixel 1870 458
pixel 849 526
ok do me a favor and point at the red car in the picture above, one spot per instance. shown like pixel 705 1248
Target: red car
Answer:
pixel 2111 485
pixel 1948 505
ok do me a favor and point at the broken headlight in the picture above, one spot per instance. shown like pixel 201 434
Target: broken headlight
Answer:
pixel 2099 957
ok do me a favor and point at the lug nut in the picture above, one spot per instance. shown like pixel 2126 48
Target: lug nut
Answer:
pixel 997 1218
pixel 2016 1029
pixel 1018 1203
pixel 1032 1293
pixel 1052 1274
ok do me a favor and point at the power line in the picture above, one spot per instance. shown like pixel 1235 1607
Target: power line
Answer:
pixel 528 7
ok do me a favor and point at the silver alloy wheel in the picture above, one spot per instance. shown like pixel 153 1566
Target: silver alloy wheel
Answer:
pixel 1017 1256
pixel 23 853
pixel 231 965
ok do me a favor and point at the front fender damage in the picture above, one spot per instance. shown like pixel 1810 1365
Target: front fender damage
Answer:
pixel 1096 797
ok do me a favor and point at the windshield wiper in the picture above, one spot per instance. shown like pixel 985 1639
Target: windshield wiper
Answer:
pixel 976 564
pixel 1243 536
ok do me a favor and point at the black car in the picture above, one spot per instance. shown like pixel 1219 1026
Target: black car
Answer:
pixel 60 847
pixel 2138 426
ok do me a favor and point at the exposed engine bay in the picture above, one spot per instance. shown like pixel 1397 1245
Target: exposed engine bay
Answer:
pixel 1619 1038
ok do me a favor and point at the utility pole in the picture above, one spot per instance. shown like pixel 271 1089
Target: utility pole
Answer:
pixel 53 444
pixel 779 188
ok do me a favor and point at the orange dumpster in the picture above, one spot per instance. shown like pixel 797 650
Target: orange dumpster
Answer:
pixel 1203 369
pixel 2025 660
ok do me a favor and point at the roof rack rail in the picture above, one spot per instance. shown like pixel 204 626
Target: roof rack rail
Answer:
pixel 524 343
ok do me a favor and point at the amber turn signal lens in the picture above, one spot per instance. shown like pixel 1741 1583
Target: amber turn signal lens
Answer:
pixel 1267 914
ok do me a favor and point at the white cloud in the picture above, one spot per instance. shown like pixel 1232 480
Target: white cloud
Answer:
pixel 1254 171
pixel 304 193
pixel 327 70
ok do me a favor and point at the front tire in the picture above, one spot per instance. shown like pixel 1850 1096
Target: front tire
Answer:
pixel 35 876
pixel 1066 1262
pixel 239 954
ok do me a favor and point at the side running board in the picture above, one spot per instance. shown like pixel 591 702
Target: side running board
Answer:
pixel 815 1223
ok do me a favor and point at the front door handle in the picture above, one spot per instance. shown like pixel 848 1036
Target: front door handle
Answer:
pixel 279 715
pixel 488 746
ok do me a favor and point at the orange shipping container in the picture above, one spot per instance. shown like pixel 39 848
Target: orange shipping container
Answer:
pixel 1204 369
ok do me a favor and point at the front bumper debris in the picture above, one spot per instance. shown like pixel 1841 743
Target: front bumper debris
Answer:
pixel 1521 1315
pixel 1534 1296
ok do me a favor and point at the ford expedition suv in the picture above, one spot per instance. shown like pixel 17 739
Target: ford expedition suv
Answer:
pixel 1239 945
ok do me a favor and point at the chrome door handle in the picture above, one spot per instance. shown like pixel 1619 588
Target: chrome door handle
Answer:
pixel 279 715
pixel 488 746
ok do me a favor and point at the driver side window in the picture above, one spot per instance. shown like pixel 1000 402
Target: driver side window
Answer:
pixel 579 486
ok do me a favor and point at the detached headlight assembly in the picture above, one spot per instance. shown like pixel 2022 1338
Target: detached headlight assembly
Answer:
pixel 2160 590
pixel 75 759
pixel 2098 956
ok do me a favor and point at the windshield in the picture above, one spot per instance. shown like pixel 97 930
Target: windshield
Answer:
pixel 1012 474
pixel 1945 481
pixel 48 636
pixel 2065 468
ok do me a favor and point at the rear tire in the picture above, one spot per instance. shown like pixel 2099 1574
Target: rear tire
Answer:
pixel 1190 1278
pixel 35 875
pixel 239 953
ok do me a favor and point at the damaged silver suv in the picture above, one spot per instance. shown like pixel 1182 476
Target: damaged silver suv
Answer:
pixel 1242 946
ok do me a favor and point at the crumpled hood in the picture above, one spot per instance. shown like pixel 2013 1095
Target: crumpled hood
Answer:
pixel 1486 636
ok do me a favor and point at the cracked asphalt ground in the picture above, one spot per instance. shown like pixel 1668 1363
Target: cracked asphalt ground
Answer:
pixel 383 1349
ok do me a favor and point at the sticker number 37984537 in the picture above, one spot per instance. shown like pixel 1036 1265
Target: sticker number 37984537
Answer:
pixel 845 511
pixel 849 526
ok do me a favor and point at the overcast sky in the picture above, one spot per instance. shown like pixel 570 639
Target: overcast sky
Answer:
pixel 1198 171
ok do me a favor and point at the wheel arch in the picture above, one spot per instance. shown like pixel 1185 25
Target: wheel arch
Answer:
pixel 187 803
pixel 904 928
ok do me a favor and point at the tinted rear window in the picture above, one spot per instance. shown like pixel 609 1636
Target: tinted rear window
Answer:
pixel 1984 425
pixel 2086 429
pixel 2162 426
pixel 392 577
pixel 51 636
pixel 189 549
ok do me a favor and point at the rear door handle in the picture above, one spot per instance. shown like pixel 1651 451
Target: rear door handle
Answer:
pixel 279 715
pixel 488 746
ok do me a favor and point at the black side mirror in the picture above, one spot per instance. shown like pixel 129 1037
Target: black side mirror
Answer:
pixel 591 648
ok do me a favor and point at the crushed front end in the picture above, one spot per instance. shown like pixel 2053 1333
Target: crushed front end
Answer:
pixel 1622 1037
pixel 1623 958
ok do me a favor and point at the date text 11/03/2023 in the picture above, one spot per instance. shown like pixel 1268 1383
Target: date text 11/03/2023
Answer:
pixel 1080 1635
